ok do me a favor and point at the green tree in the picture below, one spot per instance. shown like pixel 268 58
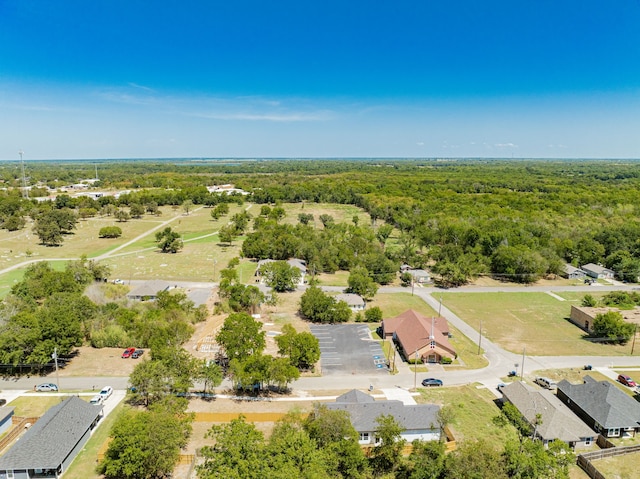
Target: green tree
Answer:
pixel 149 381
pixel 475 460
pixel 280 276
pixel 136 210
pixel 386 456
pixel 302 349
pixel 48 230
pixel 227 234
pixel 373 315
pixel 210 374
pixel 361 283
pixel 122 216
pixel 426 461
pixel 187 206
pixel 241 336
pixel 612 327
pixel 237 453
pixel 110 232
pixel 146 444
pixel 168 240
pixel 318 307
pixel 589 301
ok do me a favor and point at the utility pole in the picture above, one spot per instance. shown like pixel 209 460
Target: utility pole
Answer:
pixel 633 344
pixel 415 371
pixel 25 193
pixel 55 358
pixel 440 308
pixel 480 340
pixel 524 349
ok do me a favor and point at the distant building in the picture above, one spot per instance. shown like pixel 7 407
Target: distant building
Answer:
pixel 584 316
pixel 597 271
pixel 148 291
pixel 419 276
pixel 354 301
pixel 571 272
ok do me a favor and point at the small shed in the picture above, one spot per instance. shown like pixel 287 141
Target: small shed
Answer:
pixel 354 301
pixel 148 291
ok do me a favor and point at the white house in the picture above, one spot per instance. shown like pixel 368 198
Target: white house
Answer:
pixel 420 421
pixel 354 301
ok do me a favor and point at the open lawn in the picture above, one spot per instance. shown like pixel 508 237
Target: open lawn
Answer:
pixel 34 406
pixel 619 467
pixel 535 320
pixel 474 409
pixel 340 213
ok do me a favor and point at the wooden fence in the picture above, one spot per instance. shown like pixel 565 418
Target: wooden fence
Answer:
pixel 19 424
pixel 584 460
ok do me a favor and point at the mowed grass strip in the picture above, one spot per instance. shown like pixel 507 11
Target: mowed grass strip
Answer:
pixel 619 467
pixel 535 321
pixel 84 465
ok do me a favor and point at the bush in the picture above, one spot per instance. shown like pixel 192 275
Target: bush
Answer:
pixel 110 232
pixel 373 315
pixel 445 360
pixel 113 336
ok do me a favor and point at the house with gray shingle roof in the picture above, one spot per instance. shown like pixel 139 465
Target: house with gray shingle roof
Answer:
pixel 148 291
pixel 419 421
pixel 49 446
pixel 571 272
pixel 557 421
pixel 597 271
pixel 602 406
pixel 354 301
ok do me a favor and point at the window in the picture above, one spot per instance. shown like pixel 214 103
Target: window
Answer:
pixel 9 474
pixel 378 440
pixel 364 436
pixel 615 432
pixel 588 441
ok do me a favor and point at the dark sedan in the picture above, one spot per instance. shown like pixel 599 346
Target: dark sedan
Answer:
pixel 431 382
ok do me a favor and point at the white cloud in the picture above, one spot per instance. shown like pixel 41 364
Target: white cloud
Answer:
pixel 505 145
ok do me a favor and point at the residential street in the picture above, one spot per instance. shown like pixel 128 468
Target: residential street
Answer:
pixel 500 360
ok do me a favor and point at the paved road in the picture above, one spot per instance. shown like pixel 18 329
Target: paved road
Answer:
pixel 500 360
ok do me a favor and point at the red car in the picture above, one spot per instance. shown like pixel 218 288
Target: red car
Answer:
pixel 128 352
pixel 627 381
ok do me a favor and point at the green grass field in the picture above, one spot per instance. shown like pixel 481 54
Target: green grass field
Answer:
pixel 474 409
pixel 537 321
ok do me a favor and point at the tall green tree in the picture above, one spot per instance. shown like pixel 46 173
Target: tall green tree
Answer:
pixel 169 241
pixel 280 276
pixel 241 336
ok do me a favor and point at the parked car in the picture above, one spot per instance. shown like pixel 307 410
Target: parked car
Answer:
pixel 137 353
pixel 118 281
pixel 105 392
pixel 431 382
pixel 97 399
pixel 128 352
pixel 626 380
pixel 546 383
pixel 46 387
pixel 3 401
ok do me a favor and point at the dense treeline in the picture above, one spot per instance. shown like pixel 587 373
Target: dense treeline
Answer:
pixel 516 219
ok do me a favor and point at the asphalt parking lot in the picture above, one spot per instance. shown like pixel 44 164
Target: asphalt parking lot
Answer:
pixel 349 349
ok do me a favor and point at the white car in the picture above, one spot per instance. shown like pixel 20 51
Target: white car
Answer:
pixel 118 281
pixel 106 392
pixel 97 400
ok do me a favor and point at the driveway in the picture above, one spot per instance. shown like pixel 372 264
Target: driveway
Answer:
pixel 349 349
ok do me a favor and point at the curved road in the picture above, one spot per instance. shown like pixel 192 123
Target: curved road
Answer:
pixel 500 360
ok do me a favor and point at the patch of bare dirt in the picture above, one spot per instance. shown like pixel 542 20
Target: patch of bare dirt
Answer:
pixel 99 362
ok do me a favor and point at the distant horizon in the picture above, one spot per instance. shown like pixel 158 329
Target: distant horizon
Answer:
pixel 328 158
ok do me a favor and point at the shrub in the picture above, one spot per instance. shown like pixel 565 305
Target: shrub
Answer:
pixel 113 336
pixel 110 232
pixel 446 360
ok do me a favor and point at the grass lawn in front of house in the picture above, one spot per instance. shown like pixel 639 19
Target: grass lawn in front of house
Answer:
pixel 474 409
pixel 537 321
pixel 34 406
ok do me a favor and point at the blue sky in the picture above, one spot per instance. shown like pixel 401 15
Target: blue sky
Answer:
pixel 129 79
